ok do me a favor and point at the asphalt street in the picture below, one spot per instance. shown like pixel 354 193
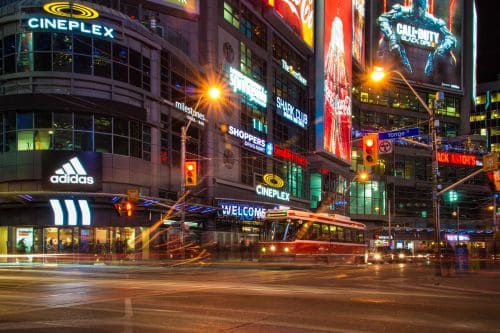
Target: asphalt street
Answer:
pixel 246 298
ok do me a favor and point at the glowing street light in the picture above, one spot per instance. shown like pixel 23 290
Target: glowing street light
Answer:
pixel 213 93
pixel 377 75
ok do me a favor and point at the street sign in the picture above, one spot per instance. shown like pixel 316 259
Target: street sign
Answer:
pixel 490 162
pixel 385 146
pixel 399 134
pixel 133 194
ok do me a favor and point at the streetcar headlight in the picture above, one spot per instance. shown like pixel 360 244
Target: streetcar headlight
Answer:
pixel 286 249
pixel 377 256
pixel 272 248
pixel 263 249
pixel 401 256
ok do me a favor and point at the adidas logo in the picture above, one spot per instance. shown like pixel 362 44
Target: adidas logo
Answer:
pixel 72 173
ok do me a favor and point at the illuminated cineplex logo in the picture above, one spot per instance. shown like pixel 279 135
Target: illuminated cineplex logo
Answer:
pixel 290 112
pixel 275 183
pixel 417 36
pixel 74 13
pixel 248 87
pixel 72 172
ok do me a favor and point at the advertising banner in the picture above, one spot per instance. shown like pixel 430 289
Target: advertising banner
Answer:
pixel 72 171
pixel 358 31
pixel 298 15
pixel 421 39
pixel 189 6
pixel 336 126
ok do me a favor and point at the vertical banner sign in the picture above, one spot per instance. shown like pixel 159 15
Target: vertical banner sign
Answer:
pixel 358 31
pixel 420 38
pixel 338 75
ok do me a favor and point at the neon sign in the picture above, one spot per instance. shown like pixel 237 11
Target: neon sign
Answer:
pixel 249 140
pixel 456 158
pixel 286 154
pixel 290 112
pixel 74 13
pixel 248 87
pixel 191 114
pixel 292 72
pixel 244 212
pixel 275 183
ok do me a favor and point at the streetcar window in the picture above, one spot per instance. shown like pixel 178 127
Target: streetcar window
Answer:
pixel 333 232
pixel 314 232
pixel 340 233
pixel 347 234
pixel 325 233
pixel 281 230
pixel 360 238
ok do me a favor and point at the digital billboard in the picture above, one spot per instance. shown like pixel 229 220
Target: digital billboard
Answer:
pixel 421 39
pixel 334 133
pixel 189 6
pixel 358 31
pixel 298 15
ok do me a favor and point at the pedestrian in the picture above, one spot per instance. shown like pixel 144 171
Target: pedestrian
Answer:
pixel 448 255
pixel 242 248
pixel 21 246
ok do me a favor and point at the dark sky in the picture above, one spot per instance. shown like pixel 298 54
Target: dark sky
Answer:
pixel 488 62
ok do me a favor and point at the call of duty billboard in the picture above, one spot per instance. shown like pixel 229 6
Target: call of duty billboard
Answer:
pixel 334 132
pixel 421 39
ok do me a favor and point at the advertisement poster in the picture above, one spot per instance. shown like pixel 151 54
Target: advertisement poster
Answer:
pixel 337 76
pixel 189 6
pixel 421 39
pixel 299 15
pixel 358 31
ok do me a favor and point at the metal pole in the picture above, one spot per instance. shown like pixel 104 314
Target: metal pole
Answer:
pixel 458 225
pixel 389 220
pixel 495 213
pixel 433 123
pixel 183 183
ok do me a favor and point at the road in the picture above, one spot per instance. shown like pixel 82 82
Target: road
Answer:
pixel 246 298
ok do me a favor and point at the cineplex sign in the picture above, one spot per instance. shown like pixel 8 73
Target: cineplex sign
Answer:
pixel 73 19
pixel 275 183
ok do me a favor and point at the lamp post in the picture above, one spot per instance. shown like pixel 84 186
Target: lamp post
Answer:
pixel 213 93
pixel 361 177
pixel 377 75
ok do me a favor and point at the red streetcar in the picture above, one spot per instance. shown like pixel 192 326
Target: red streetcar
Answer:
pixel 294 235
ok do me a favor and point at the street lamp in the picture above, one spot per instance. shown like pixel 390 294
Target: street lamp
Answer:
pixel 213 93
pixel 377 75
pixel 361 177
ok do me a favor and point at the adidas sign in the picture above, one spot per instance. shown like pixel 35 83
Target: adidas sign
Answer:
pixel 72 173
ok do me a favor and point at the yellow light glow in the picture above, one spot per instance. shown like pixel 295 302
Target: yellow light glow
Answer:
pixel 363 176
pixel 214 93
pixel 378 74
pixel 369 142
pixel 272 248
pixel 287 249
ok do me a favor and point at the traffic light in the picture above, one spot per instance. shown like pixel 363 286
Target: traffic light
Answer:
pixel 124 208
pixel 370 149
pixel 191 173
pixel 129 208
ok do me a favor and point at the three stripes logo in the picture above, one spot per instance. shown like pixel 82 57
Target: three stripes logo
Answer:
pixel 72 172
pixel 71 212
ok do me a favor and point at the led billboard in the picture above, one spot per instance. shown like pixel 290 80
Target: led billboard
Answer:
pixel 298 15
pixel 334 133
pixel 189 6
pixel 421 39
pixel 358 31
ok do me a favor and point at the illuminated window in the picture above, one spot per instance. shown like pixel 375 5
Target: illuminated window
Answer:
pixel 230 15
pixel 24 140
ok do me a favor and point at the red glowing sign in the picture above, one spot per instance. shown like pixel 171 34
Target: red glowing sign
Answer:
pixel 299 15
pixel 287 154
pixel 456 158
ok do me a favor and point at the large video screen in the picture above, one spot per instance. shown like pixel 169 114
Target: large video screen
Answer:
pixel 336 125
pixel 189 6
pixel 299 15
pixel 358 31
pixel 421 39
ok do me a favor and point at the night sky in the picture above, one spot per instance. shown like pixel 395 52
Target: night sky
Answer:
pixel 488 62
